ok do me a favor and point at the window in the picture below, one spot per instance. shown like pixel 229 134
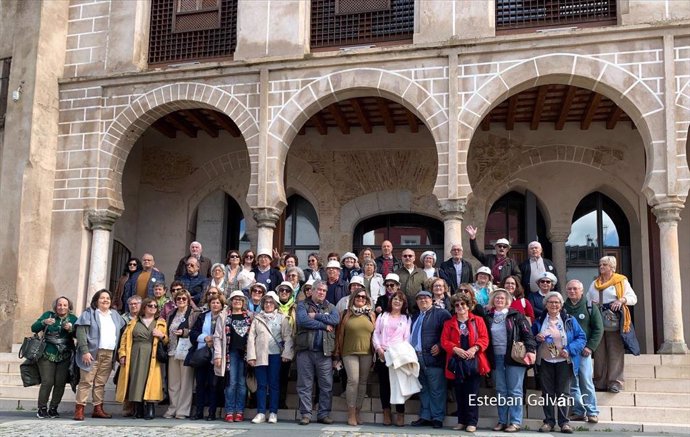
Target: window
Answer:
pixel 301 228
pixel 118 263
pixel 191 15
pixel 405 231
pixel 5 65
pixel 517 14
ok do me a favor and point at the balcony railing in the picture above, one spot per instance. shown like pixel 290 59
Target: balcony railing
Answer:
pixel 522 14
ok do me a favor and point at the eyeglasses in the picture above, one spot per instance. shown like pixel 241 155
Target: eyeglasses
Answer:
pixel 257 290
pixel 361 296
pixel 233 256
pixel 283 290
pixel 553 302
pixel 408 256
pixel 176 289
pixel 134 303
pixel 439 286
pixel 132 264
pixel 190 264
pixel 152 305
pixel 460 305
pixel 293 275
pixel 391 285
pixel 501 246
pixel 249 256
pixel 181 298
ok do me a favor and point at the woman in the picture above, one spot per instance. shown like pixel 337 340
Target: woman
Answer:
pixel 483 285
pixel 202 336
pixel 288 308
pixel 364 255
pixel 428 260
pixel 373 282
pixel 256 292
pixel 133 265
pixel 295 276
pixel 140 371
pixel 393 326
pixel 560 342
pixel 53 365
pixel 180 377
pixel 350 267
pixel 229 348
pixel 546 281
pixel 475 308
pixel 98 334
pixel 520 303
pixel 269 343
pixel 353 347
pixel 465 338
pixel 504 323
pixel 210 293
pixel 305 291
pixel 611 291
pixel 247 276
pixel 233 269
pixel 218 278
pixel 439 290
pixel 391 286
pixel 315 270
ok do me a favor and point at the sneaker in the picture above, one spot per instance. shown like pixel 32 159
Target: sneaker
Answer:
pixel 325 420
pixel 42 413
pixel 273 418
pixel 168 416
pixel 229 418
pixel 259 418
pixel 566 429
pixel 499 427
pixel 546 428
pixel 305 420
pixel 459 427
pixel 239 417
pixel 593 419
pixel 53 413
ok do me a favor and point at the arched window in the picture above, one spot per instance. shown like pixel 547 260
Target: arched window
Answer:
pixel 118 262
pixel 405 231
pixel 301 228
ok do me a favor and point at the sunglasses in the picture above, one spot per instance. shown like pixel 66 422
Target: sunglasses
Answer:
pixel 408 256
pixel 132 264
pixel 257 290
pixel 183 299
pixel 176 289
pixel 361 296
pixel 152 305
pixel 283 290
pixel 390 285
pixel 249 256
pixel 233 256
pixel 501 246
pixel 544 281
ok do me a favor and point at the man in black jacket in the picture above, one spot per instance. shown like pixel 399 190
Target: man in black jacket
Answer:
pixel 533 267
pixel 387 263
pixel 501 266
pixel 455 270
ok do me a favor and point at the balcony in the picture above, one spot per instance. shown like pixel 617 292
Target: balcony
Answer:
pixel 526 15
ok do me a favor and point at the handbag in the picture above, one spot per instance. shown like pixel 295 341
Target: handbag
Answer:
pixel 610 318
pixel 462 369
pixel 199 357
pixel 29 373
pixel 182 349
pixel 161 352
pixel 33 347
pixel 518 349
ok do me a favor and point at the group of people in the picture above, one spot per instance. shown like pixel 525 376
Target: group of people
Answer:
pixel 221 328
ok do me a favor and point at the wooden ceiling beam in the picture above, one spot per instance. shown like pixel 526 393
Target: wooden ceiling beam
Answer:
pixel 613 116
pixel 182 124
pixel 412 121
pixel 386 114
pixel 590 110
pixel 320 124
pixel 538 107
pixel 164 128
pixel 339 118
pixel 510 117
pixel 361 114
pixel 565 107
pixel 226 124
pixel 198 118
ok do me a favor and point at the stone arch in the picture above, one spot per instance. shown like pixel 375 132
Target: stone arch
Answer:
pixel 123 132
pixel 683 141
pixel 355 82
pixel 625 89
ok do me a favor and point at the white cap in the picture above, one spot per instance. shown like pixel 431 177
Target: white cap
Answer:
pixel 356 280
pixel 348 255
pixel 272 294
pixel 333 264
pixel 285 284
pixel 486 271
pixel 392 277
pixel 547 275
pixel 237 293
pixel 265 252
pixel 430 253
pixel 502 241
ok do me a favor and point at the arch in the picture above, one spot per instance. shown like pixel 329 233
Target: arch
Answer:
pixel 122 133
pixel 355 82
pixel 625 89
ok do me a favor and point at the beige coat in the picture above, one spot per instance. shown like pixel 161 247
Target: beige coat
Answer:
pixel 259 337
pixel 220 343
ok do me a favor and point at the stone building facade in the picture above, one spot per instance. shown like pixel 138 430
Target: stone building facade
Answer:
pixel 82 167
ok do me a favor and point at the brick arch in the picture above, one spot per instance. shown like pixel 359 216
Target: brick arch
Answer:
pixel 123 132
pixel 625 89
pixel 355 82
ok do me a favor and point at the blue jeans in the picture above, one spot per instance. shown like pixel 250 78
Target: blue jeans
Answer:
pixel 508 382
pixel 268 381
pixel 236 387
pixel 433 394
pixel 582 389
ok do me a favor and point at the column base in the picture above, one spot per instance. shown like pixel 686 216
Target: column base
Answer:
pixel 673 348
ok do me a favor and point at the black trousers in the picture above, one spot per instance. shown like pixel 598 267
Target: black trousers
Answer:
pixel 555 388
pixel 467 414
pixel 385 387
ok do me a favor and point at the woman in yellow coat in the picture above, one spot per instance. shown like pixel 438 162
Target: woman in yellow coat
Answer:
pixel 141 379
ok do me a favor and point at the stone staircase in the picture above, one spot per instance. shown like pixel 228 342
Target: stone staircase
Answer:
pixel 656 398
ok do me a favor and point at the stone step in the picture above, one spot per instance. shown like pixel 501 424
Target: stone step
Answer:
pixel 658 385
pixel 657 371
pixel 651 414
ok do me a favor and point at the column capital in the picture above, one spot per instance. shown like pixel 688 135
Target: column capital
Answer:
pixel 668 212
pixel 266 217
pixel 452 209
pixel 100 219
pixel 558 235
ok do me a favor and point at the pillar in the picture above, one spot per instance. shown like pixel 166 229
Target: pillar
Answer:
pixel 100 223
pixel 558 237
pixel 667 217
pixel 266 220
pixel 452 211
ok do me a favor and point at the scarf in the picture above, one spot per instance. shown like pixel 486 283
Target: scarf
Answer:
pixel 617 281
pixel 361 310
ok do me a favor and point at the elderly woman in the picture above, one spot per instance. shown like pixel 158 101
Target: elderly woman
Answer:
pixel 483 285
pixel 287 306
pixel 520 303
pixel 315 268
pixel 505 326
pixel 141 378
pixel 269 343
pixel 392 327
pixel 256 293
pixel 561 341
pixel 428 260
pixel 229 348
pixel 546 281
pixel 611 290
pixel 180 377
pixel 373 282
pixel 475 308
pixel 465 337
pixel 98 334
pixel 218 278
pixel 295 276
pixel 439 290
pixel 133 265
pixel 353 346
pixel 53 365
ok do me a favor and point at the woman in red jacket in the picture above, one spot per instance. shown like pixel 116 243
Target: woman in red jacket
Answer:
pixel 465 338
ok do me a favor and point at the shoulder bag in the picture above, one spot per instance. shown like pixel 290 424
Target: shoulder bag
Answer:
pixel 611 319
pixel 518 349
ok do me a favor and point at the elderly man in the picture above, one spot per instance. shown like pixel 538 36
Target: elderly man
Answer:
pixel 205 264
pixel 534 266
pixel 387 263
pixel 141 283
pixel 265 273
pixel 501 266
pixel 192 281
pixel 317 319
pixel 337 286
pixel 412 278
pixel 455 270
pixel 582 386
pixel 425 337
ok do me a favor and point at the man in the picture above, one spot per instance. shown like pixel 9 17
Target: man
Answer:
pixel 337 287
pixel 425 337
pixel 141 283
pixel 315 345
pixel 387 263
pixel 204 263
pixel 501 266
pixel 266 274
pixel 582 386
pixel 192 281
pixel 534 266
pixel 455 270
pixel 412 278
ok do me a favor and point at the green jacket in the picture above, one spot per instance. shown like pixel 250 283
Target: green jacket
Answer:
pixel 56 331
pixel 589 319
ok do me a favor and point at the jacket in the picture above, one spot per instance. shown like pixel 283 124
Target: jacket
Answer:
pixel 411 284
pixel 220 340
pixel 204 267
pixel 376 287
pixel 326 315
pixel 195 285
pixel 432 326
pixel 88 330
pixel 509 268
pixel 526 270
pixel 340 291
pixel 575 335
pixel 154 382
pixel 131 286
pixel 309 273
pixel 403 368
pixel 274 278
pixel 589 318
pixel 260 337
pixel 513 318
pixel 450 338
pixel 340 331
pixel 397 264
pixel 447 272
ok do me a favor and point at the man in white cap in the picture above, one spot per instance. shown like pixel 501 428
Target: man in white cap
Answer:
pixel 534 266
pixel 501 266
pixel 265 273
pixel 455 270
pixel 205 264
pixel 337 287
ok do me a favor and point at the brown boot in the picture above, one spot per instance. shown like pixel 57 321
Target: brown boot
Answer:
pixel 358 416
pixel 351 416
pixel 400 419
pixel 387 419
pixel 99 413
pixel 78 412
pixel 127 409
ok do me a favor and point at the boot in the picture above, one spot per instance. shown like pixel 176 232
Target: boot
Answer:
pixel 400 419
pixel 99 413
pixel 78 412
pixel 387 419
pixel 351 416
pixel 138 410
pixel 358 416
pixel 127 409
pixel 150 411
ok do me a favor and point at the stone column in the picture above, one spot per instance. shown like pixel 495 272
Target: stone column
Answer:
pixel 266 220
pixel 558 237
pixel 100 223
pixel 452 211
pixel 667 217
